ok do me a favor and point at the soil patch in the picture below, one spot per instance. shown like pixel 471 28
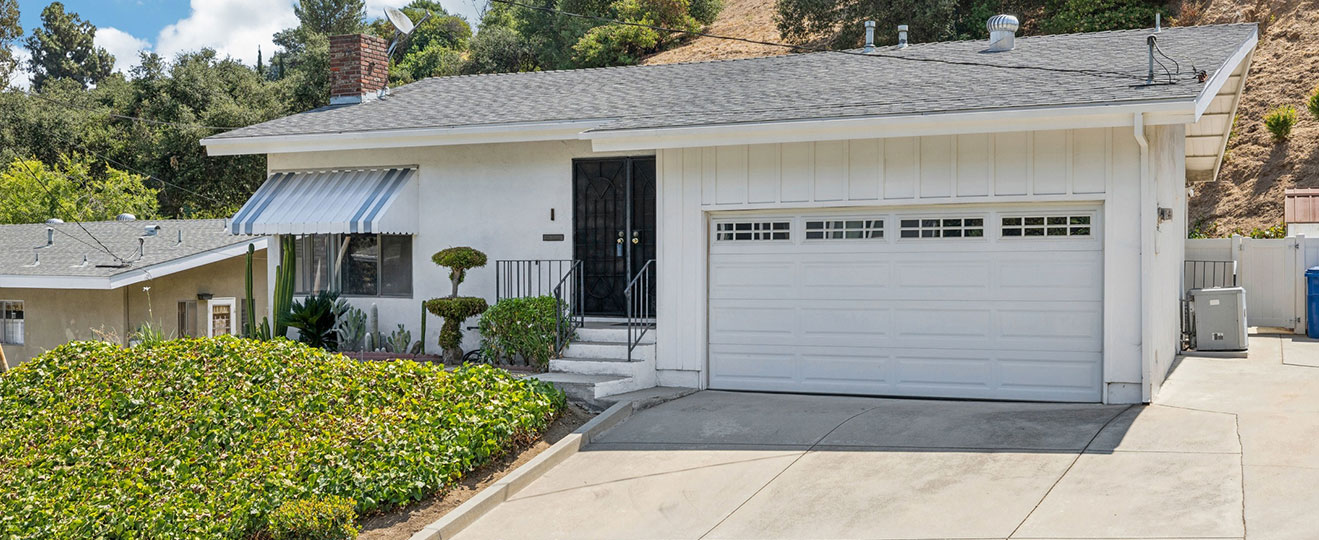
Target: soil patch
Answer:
pixel 405 522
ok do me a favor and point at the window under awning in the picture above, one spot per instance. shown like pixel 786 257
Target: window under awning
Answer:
pixel 332 201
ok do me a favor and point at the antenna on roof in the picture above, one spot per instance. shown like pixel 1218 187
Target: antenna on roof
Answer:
pixel 403 27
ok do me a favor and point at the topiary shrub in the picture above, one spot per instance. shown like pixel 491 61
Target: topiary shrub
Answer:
pixel 324 518
pixel 520 328
pixel 453 308
pixel 1280 122
pixel 1313 103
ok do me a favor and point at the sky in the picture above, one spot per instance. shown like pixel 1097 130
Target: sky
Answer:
pixel 167 27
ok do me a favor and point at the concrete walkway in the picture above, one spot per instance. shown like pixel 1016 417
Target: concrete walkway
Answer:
pixel 741 465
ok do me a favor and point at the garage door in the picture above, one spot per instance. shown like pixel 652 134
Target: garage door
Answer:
pixel 994 303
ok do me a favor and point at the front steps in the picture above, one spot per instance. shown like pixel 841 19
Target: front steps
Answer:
pixel 595 366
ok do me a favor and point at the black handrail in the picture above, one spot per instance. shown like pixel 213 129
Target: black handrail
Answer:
pixel 640 314
pixel 568 301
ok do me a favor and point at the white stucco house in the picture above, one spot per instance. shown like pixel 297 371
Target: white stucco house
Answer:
pixel 939 220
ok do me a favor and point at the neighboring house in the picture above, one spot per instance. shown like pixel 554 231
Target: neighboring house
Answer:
pixel 58 284
pixel 937 220
pixel 1301 212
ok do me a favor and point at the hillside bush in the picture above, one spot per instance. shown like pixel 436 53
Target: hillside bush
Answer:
pixel 206 438
pixel 520 328
pixel 1280 122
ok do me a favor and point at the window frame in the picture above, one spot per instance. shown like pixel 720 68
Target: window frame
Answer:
pixel 213 303
pixel 941 227
pixel 788 231
pixel 1090 215
pixel 306 246
pixel 868 221
pixel 5 310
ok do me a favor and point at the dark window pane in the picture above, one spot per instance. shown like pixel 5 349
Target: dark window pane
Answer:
pixel 910 234
pixel 1011 232
pixel 1011 221
pixel 396 265
pixel 952 233
pixel 814 235
pixel 1057 231
pixel 1080 231
pixel 1035 231
pixel 318 266
pixel 952 223
pixel 1058 220
pixel 814 224
pixel 977 222
pixel 361 264
pixel 929 234
pixel 782 225
pixel 910 223
pixel 1080 220
pixel 929 223
pixel 975 233
pixel 1035 221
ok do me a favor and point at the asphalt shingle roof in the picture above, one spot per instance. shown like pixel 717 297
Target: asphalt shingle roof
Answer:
pixel 1057 70
pixel 65 256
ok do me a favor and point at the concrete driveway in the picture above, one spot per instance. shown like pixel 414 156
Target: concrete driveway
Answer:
pixel 725 465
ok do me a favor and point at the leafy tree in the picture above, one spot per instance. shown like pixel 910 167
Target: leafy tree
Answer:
pixel 9 31
pixel 498 49
pixel 436 47
pixel 1068 16
pixel 839 22
pixel 617 44
pixel 34 192
pixel 331 17
pixel 64 48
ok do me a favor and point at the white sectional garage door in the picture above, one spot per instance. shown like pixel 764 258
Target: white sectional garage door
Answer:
pixel 988 303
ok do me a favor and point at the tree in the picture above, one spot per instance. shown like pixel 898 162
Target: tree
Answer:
pixel 331 17
pixel 839 22
pixel 70 191
pixel 9 31
pixel 64 48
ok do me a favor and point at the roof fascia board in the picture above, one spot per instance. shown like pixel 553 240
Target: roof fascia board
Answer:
pixel 397 138
pixel 1079 117
pixel 133 276
pixel 184 263
pixel 1224 73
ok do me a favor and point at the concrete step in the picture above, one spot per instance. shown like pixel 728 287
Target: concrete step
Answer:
pixel 611 334
pixel 584 390
pixel 607 349
pixel 600 366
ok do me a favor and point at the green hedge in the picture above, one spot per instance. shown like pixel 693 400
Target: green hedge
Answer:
pixel 205 438
pixel 520 328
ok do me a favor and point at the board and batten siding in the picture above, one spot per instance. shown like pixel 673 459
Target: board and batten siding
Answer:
pixel 1045 166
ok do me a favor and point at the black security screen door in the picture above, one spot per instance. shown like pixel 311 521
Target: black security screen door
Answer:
pixel 613 227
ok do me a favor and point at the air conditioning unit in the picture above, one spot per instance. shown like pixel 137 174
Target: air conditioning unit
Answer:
pixel 1220 319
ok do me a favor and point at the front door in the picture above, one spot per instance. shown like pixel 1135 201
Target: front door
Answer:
pixel 613 227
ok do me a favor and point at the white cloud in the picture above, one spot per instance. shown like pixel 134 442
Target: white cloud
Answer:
pixel 124 46
pixel 231 27
pixel 21 78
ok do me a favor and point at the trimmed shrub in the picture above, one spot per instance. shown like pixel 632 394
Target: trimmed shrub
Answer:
pixel 520 328
pixel 453 308
pixel 206 438
pixel 325 518
pixel 1280 122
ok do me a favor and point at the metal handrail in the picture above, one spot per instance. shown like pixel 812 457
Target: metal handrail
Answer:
pixel 568 313
pixel 520 278
pixel 639 315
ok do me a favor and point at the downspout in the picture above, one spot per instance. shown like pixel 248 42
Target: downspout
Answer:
pixel 1147 238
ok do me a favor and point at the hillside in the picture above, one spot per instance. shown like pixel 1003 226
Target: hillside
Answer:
pixel 1249 190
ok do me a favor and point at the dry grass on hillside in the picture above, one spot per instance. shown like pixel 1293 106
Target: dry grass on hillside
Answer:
pixel 748 19
pixel 1285 69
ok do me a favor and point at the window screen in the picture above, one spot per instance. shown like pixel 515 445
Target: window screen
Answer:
pixel 753 230
pixel 11 322
pixel 942 227
pixel 844 229
pixel 1046 226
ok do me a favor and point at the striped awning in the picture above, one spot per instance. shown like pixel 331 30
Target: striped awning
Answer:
pixel 332 201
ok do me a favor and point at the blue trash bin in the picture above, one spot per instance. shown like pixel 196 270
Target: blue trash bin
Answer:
pixel 1312 302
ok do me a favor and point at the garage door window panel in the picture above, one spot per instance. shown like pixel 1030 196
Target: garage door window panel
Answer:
pixel 1054 226
pixel 941 227
pixel 735 231
pixel 845 229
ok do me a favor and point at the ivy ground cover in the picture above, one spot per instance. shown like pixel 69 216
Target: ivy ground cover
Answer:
pixel 204 438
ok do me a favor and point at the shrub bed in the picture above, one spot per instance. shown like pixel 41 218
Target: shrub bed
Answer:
pixel 206 438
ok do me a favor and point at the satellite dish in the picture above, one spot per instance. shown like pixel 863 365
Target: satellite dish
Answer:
pixel 400 20
pixel 403 26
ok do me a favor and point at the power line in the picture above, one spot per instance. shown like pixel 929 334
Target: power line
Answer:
pixel 135 171
pixel 41 182
pixel 127 117
pixel 812 48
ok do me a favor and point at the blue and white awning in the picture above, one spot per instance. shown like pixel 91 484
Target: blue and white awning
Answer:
pixel 332 201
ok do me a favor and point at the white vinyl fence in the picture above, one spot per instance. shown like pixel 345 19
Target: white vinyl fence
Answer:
pixel 1271 271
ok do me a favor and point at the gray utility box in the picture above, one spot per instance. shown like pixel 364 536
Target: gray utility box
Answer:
pixel 1220 319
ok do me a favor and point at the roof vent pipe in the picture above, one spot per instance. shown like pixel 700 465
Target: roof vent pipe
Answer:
pixel 125 217
pixel 50 236
pixel 1002 32
pixel 902 36
pixel 870 36
pixel 141 247
pixel 1158 22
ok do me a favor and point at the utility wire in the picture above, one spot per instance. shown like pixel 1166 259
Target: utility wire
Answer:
pixel 812 48
pixel 41 182
pixel 126 167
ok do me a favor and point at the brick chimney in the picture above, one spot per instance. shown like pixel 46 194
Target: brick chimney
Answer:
pixel 359 68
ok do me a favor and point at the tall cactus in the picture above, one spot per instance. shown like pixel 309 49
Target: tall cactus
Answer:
pixel 284 285
pixel 249 326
